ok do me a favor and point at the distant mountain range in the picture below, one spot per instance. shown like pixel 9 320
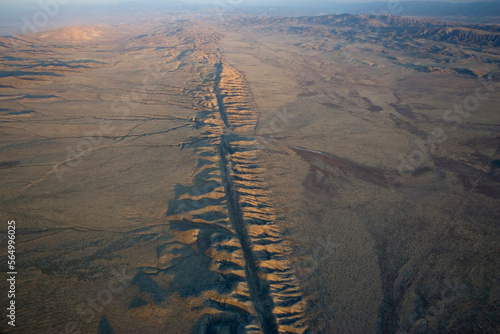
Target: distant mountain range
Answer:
pixel 422 8
pixel 384 29
pixel 13 16
pixel 477 12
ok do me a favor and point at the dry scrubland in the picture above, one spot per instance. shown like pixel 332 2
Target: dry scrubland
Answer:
pixel 254 175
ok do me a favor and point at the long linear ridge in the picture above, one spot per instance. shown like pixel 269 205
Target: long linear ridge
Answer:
pixel 258 290
pixel 229 210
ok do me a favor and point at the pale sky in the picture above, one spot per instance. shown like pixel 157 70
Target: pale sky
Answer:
pixel 10 4
pixel 14 14
pixel 230 2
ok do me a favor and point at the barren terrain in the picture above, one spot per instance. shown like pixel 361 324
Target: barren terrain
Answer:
pixel 330 174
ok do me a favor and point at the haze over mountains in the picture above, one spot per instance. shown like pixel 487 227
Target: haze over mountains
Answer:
pixel 207 170
pixel 12 16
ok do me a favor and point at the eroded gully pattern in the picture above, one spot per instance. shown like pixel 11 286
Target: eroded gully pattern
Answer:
pixel 226 220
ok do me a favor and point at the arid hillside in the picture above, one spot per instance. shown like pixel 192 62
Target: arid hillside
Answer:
pixel 252 174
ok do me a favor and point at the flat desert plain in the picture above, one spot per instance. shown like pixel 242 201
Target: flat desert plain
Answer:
pixel 251 174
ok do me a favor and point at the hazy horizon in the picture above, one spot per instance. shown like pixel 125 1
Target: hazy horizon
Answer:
pixel 250 166
pixel 32 15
